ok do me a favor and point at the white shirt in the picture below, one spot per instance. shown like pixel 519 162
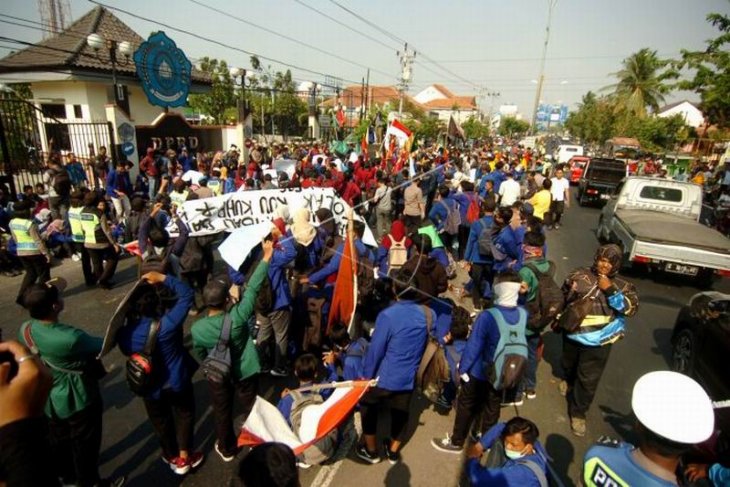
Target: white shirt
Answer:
pixel 509 192
pixel 558 189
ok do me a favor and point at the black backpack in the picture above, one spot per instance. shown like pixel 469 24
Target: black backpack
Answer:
pixel 140 369
pixel 217 365
pixel 365 276
pixel 62 182
pixel 549 301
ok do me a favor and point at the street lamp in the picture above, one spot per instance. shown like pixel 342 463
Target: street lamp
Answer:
pixel 97 42
pixel 238 75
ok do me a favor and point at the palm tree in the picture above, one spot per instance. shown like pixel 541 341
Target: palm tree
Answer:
pixel 641 83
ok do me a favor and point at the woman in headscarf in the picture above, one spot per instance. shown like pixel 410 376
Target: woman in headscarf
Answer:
pixel 307 241
pixel 393 249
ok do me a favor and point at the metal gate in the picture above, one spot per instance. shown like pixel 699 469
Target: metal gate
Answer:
pixel 28 136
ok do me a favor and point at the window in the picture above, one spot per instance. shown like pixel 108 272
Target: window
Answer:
pixel 54 110
pixel 78 112
pixel 672 195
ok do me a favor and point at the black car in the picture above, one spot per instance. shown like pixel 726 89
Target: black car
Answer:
pixel 701 347
pixel 599 180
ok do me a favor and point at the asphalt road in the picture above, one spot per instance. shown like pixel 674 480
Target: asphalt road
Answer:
pixel 130 448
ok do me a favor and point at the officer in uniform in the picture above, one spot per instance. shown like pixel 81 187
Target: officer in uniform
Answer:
pixel 673 413
pixel 98 240
pixel 32 252
pixel 77 235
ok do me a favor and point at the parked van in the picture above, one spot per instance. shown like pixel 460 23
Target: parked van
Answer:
pixel 565 152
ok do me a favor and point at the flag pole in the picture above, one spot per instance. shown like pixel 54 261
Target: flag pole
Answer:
pixel 353 256
pixel 336 385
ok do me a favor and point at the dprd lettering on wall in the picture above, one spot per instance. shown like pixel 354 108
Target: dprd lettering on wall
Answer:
pixel 245 208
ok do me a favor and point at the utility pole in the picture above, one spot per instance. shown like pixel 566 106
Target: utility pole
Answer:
pixel 406 61
pixel 541 79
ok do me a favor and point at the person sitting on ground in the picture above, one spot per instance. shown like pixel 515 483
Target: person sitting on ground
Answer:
pixel 516 457
pixel 305 370
pixel 349 353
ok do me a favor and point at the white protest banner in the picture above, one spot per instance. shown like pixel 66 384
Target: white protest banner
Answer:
pixel 236 247
pixel 231 211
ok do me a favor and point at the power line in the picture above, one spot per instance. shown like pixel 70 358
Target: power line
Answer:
pixel 555 58
pixel 212 41
pixel 291 39
pixel 377 41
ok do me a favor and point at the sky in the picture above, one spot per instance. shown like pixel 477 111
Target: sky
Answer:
pixel 470 46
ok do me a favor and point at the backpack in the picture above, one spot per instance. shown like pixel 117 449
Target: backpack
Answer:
pixel 510 356
pixel 453 219
pixel 62 182
pixel 485 242
pixel 549 301
pixel 433 371
pixel 301 260
pixel 217 365
pixel 140 370
pixel 323 449
pixel 472 211
pixel 365 276
pixel 397 254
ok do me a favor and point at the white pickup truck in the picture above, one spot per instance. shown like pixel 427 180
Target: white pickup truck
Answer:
pixel 656 222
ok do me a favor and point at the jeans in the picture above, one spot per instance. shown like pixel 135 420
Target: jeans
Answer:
pixel 173 419
pixel 75 443
pixel 122 207
pixel 583 367
pixel 222 396
pixel 37 270
pixel 104 263
pixel 529 381
pixel 475 398
pixel 383 217
pixel 275 324
pixel 399 403
pixel 152 183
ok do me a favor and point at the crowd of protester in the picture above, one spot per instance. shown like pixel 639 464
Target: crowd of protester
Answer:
pixel 485 209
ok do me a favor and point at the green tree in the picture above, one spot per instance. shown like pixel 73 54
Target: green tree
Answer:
pixel 474 129
pixel 711 69
pixel 221 96
pixel 511 126
pixel 594 120
pixel 641 82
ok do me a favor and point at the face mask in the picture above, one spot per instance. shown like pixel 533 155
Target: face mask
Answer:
pixel 513 455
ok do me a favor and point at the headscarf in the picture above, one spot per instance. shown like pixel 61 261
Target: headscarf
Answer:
pixel 613 254
pixel 301 228
pixel 397 232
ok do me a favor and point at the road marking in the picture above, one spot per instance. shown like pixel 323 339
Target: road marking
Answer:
pixel 326 474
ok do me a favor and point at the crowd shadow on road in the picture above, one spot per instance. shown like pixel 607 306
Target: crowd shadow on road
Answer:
pixel 398 475
pixel 561 453
pixel 622 424
pixel 662 338
pixel 552 352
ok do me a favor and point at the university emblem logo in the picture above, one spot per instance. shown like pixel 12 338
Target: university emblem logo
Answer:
pixel 164 71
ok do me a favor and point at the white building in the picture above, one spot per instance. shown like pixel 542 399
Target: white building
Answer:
pixel 439 102
pixel 692 115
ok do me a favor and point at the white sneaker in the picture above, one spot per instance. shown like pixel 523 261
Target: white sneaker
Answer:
pixel 76 257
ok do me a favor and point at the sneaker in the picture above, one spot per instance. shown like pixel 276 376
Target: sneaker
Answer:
pixel 530 394
pixel 279 372
pixel 556 226
pixel 563 388
pixel 303 466
pixel 76 257
pixel 444 444
pixel 578 425
pixel 181 466
pixel 224 457
pixel 168 460
pixel 517 401
pixel 443 403
pixel 363 453
pixel 393 458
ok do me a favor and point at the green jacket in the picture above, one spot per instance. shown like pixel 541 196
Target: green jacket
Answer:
pixel 530 278
pixel 66 347
pixel 206 331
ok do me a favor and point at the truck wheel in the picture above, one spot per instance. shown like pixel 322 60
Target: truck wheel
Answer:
pixel 582 201
pixel 683 352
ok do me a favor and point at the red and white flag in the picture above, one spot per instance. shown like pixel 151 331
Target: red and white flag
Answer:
pixel 266 424
pixel 399 131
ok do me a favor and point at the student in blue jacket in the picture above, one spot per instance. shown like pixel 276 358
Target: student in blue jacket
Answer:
pixel 480 266
pixel 170 404
pixel 454 343
pixel 305 369
pixel 393 357
pixel 363 251
pixel 516 457
pixel 348 353
pixel 476 393
pixel 507 241
pixel 440 210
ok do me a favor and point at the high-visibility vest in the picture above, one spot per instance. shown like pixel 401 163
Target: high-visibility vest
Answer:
pixel 21 232
pixel 215 186
pixel 178 199
pixel 74 220
pixel 91 225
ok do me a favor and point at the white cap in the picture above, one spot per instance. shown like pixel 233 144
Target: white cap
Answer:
pixel 673 406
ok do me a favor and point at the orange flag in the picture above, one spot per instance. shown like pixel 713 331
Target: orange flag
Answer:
pixel 344 299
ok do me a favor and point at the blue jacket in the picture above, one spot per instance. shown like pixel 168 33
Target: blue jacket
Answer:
pixel 284 254
pixel 397 345
pixel 482 342
pixel 439 254
pixel 596 338
pixel 439 213
pixel 285 403
pixel 229 185
pixel 442 326
pixel 120 182
pixel 453 352
pixel 513 472
pixel 615 465
pixel 174 366
pixel 314 249
pixel 472 244
pixel 334 264
pixel 352 360
pixel 507 242
pixel 464 200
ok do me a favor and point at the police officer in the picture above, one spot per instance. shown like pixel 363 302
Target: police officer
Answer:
pixel 77 235
pixel 98 240
pixel 32 252
pixel 673 413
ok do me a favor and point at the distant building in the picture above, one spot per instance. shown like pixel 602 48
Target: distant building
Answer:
pixel 439 102
pixel 692 115
pixel 352 101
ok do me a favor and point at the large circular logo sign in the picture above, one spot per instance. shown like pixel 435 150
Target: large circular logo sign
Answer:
pixel 164 71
